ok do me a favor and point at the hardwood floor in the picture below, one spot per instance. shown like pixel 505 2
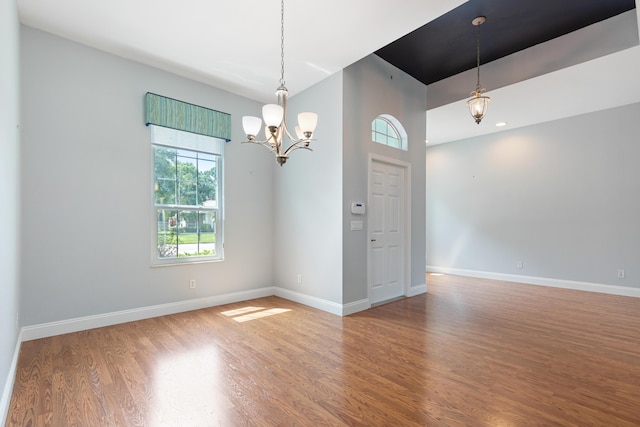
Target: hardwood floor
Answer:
pixel 469 353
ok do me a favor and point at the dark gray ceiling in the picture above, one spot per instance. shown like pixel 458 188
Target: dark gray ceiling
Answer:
pixel 447 45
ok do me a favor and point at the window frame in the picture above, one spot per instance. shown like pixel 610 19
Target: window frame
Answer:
pixel 396 127
pixel 175 139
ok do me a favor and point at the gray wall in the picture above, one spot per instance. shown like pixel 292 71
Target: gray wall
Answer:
pixel 86 187
pixel 9 195
pixel 563 197
pixel 308 193
pixel 373 87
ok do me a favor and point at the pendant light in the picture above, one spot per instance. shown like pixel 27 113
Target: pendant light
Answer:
pixel 478 103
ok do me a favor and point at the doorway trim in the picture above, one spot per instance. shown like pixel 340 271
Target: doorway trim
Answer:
pixel 373 157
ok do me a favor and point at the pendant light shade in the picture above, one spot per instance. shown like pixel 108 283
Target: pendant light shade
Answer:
pixel 307 122
pixel 272 114
pixel 478 106
pixel 251 125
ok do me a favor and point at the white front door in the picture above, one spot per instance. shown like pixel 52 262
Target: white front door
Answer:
pixel 386 235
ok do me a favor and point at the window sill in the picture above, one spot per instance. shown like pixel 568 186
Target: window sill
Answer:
pixel 173 264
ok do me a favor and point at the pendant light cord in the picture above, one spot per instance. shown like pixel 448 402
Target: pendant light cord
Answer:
pixel 282 43
pixel 478 55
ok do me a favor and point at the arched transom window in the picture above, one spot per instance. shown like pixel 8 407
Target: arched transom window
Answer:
pixel 387 130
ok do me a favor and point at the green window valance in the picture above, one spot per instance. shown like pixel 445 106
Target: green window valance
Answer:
pixel 174 114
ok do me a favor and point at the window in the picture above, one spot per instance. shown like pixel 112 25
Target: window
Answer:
pixel 387 130
pixel 187 196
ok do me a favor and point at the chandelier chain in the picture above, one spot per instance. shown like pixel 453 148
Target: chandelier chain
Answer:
pixel 478 53
pixel 282 43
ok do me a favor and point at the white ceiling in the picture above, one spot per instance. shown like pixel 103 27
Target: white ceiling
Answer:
pixel 235 45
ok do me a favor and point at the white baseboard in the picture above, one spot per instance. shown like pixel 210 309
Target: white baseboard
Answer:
pixel 416 290
pixel 108 319
pixel 541 281
pixel 8 386
pixel 356 306
pixel 365 304
pixel 311 301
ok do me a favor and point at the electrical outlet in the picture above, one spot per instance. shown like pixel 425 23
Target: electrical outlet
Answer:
pixel 299 278
pixel 621 273
pixel 192 284
pixel 519 264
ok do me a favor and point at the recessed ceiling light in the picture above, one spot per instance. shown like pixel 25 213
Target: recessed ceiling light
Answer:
pixel 500 124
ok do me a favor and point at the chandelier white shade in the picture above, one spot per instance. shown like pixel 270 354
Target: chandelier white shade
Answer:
pixel 275 119
pixel 251 125
pixel 478 103
pixel 307 123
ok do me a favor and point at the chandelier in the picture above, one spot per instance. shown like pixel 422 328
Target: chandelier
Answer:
pixel 478 103
pixel 275 118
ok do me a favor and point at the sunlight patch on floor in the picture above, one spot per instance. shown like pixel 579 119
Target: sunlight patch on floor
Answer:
pixel 239 311
pixel 260 314
pixel 189 387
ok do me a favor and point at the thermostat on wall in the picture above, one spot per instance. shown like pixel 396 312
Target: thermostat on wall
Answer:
pixel 357 208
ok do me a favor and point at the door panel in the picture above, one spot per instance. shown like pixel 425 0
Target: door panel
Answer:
pixel 377 276
pixel 386 225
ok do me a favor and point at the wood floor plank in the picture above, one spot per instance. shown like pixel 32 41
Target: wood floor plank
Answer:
pixel 470 352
